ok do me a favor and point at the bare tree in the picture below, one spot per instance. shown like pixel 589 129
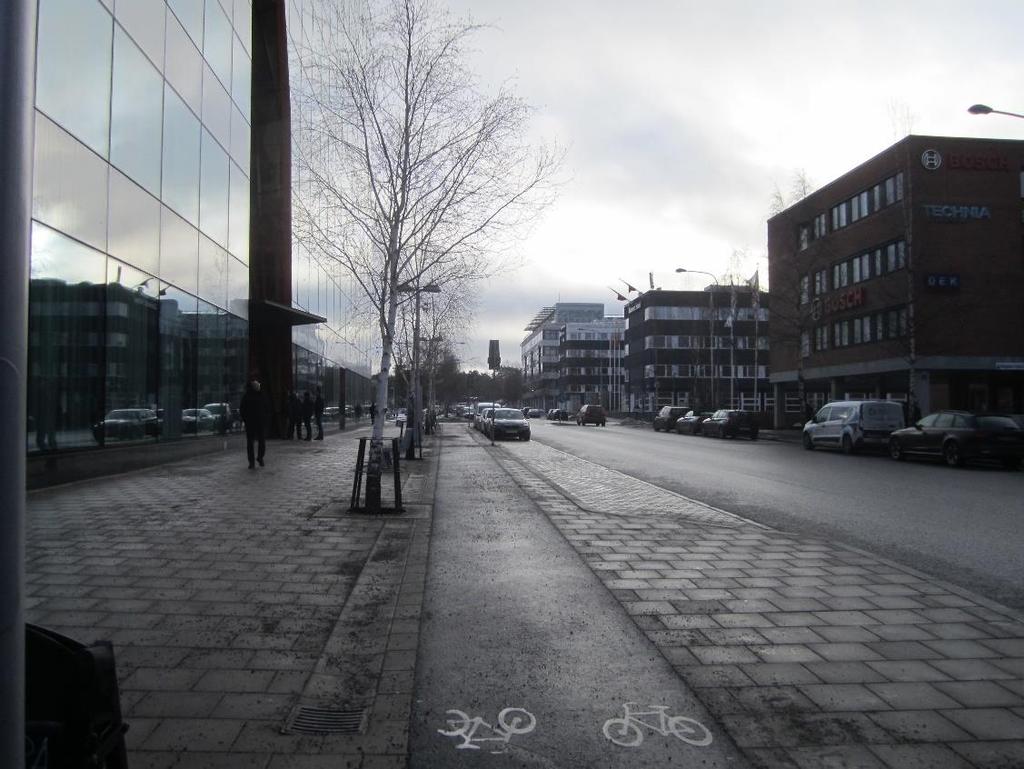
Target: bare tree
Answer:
pixel 410 175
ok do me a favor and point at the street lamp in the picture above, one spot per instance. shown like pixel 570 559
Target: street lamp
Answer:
pixel 984 109
pixel 711 323
pixel 417 289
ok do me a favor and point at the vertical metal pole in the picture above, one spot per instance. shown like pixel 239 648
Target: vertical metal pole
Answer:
pixel 17 86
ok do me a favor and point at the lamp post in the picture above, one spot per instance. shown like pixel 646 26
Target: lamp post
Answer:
pixel 984 109
pixel 407 288
pixel 711 323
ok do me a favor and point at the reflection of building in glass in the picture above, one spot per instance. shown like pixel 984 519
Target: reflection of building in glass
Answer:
pixel 144 290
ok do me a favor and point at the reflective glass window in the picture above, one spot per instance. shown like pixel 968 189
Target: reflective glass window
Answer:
pixel 242 22
pixel 190 14
pixel 217 41
pixel 132 354
pixel 210 341
pixel 136 119
pixel 213 272
pixel 179 251
pixel 134 224
pixel 240 134
pixel 69 191
pixel 213 191
pixel 241 88
pixel 184 65
pixel 180 182
pixel 216 108
pixel 144 21
pixel 238 226
pixel 238 287
pixel 65 342
pixel 73 68
pixel 178 330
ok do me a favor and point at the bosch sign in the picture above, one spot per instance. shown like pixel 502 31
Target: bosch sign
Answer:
pixel 843 300
pixel 978 161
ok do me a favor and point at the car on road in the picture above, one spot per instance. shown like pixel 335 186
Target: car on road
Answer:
pixel 592 414
pixel 853 425
pixel 691 422
pixel 668 416
pixel 558 415
pixel 535 413
pixel 198 421
pixel 961 436
pixel 731 423
pixel 127 425
pixel 508 423
pixel 401 417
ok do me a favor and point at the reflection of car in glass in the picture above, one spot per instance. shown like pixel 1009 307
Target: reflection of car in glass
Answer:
pixel 691 422
pixel 198 421
pixel 331 412
pixel 508 423
pixel 853 425
pixel 127 425
pixel 401 417
pixel 959 436
pixel 667 417
pixel 591 414
pixel 224 416
pixel 731 423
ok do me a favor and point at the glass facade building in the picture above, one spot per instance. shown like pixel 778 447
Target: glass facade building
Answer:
pixel 140 278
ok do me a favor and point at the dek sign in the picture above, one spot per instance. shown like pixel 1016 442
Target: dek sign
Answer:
pixel 943 281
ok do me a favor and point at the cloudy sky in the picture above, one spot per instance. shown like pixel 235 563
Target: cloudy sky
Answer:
pixel 680 118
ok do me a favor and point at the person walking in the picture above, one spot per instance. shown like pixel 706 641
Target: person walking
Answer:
pixel 318 414
pixel 307 415
pixel 254 414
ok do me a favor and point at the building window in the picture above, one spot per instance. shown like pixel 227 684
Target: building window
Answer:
pixel 805 343
pixel 820 282
pixel 804 236
pixel 805 289
pixel 821 338
pixel 821 225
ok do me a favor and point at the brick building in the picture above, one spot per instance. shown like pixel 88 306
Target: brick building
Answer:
pixel 899 279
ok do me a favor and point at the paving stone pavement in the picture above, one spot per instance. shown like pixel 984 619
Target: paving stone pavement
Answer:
pixel 810 654
pixel 235 596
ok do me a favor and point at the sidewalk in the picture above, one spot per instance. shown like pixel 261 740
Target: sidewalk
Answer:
pixel 250 612
pixel 247 607
pixel 811 654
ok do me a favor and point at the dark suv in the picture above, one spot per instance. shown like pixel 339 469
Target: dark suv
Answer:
pixel 592 414
pixel 666 418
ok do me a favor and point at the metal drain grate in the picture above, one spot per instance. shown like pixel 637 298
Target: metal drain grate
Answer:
pixel 312 720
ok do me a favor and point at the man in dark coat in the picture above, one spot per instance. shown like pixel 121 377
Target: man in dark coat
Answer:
pixel 318 413
pixel 307 414
pixel 254 414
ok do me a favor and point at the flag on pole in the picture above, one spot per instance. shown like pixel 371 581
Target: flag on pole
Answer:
pixel 755 294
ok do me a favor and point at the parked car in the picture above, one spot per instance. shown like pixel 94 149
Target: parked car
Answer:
pixel 401 417
pixel 692 422
pixel 558 415
pixel 853 425
pixel 508 423
pixel 224 416
pixel 127 425
pixel 199 421
pixel 731 423
pixel 478 414
pixel 591 414
pixel 535 413
pixel 668 416
pixel 960 436
pixel 485 420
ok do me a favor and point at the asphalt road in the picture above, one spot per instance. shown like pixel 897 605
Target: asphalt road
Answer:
pixel 963 525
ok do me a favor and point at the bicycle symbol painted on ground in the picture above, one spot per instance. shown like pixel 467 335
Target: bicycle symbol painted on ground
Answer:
pixel 627 731
pixel 511 721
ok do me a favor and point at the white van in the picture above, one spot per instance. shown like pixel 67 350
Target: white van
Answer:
pixel 478 414
pixel 853 425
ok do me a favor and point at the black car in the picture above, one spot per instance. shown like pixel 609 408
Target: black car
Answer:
pixel 558 415
pixel 592 414
pixel 508 423
pixel 127 425
pixel 731 423
pixel 668 416
pixel 692 422
pixel 959 436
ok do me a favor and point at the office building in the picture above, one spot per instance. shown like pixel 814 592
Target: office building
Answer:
pixel 899 280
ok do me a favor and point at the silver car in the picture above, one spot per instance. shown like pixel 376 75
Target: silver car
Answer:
pixel 853 425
